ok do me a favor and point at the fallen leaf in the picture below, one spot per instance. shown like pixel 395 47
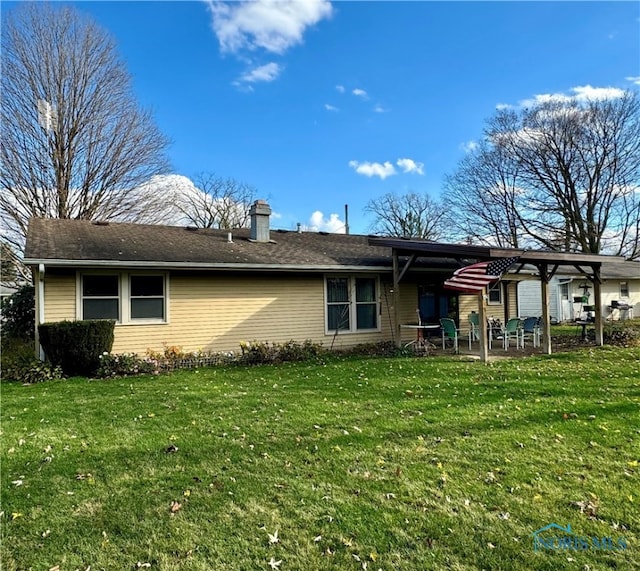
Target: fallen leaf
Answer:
pixel 273 538
pixel 175 506
pixel 274 564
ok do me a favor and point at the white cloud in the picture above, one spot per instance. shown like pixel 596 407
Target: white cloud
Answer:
pixel 469 146
pixel 360 93
pixel 634 80
pixel 410 166
pixel 580 93
pixel 383 170
pixel 330 107
pixel 272 25
pixel 318 223
pixel 379 109
pixel 502 106
pixel 340 88
pixel 267 72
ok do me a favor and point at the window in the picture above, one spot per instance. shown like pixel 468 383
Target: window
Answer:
pixel 495 293
pixel 127 298
pixel 352 304
pixel 366 304
pixel 147 297
pixel 101 297
pixel 337 304
pixel 624 289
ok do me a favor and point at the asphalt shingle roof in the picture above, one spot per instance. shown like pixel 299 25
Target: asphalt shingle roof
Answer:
pixel 86 241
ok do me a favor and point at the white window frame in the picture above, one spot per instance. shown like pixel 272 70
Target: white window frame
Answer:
pixel 124 285
pixel 353 305
pixel 81 297
pixel 624 291
pixel 492 288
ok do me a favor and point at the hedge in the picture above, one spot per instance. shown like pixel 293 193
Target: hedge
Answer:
pixel 76 346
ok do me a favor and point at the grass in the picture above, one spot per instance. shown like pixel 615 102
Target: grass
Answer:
pixel 403 464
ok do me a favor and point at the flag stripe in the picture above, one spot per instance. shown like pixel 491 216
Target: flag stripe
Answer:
pixel 474 278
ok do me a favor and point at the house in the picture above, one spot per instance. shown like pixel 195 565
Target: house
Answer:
pixel 211 289
pixel 570 293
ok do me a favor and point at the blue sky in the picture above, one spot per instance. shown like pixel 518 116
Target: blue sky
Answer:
pixel 319 104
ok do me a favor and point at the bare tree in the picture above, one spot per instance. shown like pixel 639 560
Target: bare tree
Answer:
pixel 576 172
pixel 482 199
pixel 216 202
pixel 411 215
pixel 75 143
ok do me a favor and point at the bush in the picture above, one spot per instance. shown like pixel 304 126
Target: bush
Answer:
pixel 124 365
pixel 30 370
pixel 622 334
pixel 76 346
pixel 19 363
pixel 379 349
pixel 258 352
pixel 19 314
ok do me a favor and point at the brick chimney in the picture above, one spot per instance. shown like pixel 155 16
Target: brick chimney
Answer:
pixel 260 212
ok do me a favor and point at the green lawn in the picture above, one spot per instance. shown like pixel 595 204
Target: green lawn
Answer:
pixel 393 464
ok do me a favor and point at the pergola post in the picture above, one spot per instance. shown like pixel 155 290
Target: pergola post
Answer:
pixel 597 295
pixel 396 299
pixel 482 326
pixel 546 317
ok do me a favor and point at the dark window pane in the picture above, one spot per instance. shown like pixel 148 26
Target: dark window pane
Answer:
pixel 365 289
pixel 100 286
pixel 337 289
pixel 338 316
pixel 100 309
pixel 494 294
pixel 366 316
pixel 147 309
pixel 147 286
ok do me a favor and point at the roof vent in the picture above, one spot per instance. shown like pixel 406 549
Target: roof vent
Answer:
pixel 299 228
pixel 101 223
pixel 191 228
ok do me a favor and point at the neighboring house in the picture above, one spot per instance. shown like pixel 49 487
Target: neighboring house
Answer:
pixel 568 290
pixel 8 289
pixel 211 289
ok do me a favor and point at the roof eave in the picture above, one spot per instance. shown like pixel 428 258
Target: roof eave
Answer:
pixel 200 265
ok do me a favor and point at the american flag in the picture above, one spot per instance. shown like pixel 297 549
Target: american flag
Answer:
pixel 474 278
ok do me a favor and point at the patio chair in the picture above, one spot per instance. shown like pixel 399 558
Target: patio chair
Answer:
pixel 531 330
pixel 512 330
pixel 474 327
pixel 449 332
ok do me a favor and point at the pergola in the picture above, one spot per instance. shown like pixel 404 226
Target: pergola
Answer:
pixel 547 264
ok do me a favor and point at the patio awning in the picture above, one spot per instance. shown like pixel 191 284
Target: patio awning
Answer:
pixel 546 262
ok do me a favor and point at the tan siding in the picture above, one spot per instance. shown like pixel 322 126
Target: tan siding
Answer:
pixel 217 313
pixel 60 297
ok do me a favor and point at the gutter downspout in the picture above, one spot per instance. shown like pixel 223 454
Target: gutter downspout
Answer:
pixel 39 309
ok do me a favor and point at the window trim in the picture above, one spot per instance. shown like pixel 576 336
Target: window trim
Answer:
pixel 353 305
pixel 626 289
pixel 494 287
pixel 124 299
pixel 82 297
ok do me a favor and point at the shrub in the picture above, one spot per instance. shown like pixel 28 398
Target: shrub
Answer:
pixel 124 365
pixel 19 313
pixel 30 370
pixel 19 363
pixel 76 346
pixel 622 334
pixel 259 352
pixel 379 349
